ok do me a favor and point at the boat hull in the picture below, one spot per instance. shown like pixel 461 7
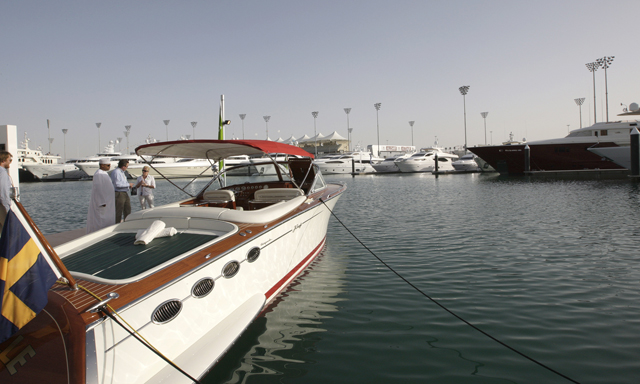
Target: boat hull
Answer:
pixel 510 159
pixel 49 172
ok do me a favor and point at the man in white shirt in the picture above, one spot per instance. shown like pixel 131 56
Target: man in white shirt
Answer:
pixel 102 207
pixel 121 185
pixel 146 184
pixel 5 186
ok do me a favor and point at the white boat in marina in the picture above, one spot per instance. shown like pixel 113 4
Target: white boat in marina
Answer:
pixel 424 161
pixel 180 168
pixel 185 298
pixel 359 162
pixel 389 165
pixel 89 165
pixel 466 163
pixel 55 172
pixel 40 162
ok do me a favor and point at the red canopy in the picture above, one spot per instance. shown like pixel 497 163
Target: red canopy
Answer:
pixel 218 149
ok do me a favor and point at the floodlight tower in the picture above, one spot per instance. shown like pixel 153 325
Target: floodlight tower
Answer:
pixel 64 131
pixel 411 124
pixel 242 116
pixel 579 103
pixel 126 134
pixel 347 111
pixel 315 135
pixel 99 145
pixel 605 62
pixel 593 67
pixel 166 123
pixel 484 116
pixel 266 121
pixel 193 125
pixel 463 90
pixel 377 107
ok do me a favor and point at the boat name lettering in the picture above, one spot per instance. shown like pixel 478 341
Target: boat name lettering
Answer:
pixel 513 150
pixel 20 357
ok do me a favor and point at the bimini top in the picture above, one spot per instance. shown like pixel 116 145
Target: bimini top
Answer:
pixel 217 149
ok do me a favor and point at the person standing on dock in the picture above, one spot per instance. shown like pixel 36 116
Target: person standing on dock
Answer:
pixel 5 186
pixel 122 186
pixel 146 184
pixel 102 207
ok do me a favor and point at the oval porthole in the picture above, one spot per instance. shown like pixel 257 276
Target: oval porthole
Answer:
pixel 202 288
pixel 230 269
pixel 253 254
pixel 167 311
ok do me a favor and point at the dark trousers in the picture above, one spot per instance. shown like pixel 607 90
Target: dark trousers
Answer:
pixel 123 206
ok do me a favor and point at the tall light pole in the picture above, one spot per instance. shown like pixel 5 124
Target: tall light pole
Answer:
pixel 350 134
pixel 119 140
pixel 166 123
pixel 347 111
pixel 464 89
pixel 64 131
pixel 242 116
pixel 50 139
pixel 605 62
pixel 411 124
pixel 377 106
pixel 593 67
pixel 579 103
pixel 484 116
pixel 193 125
pixel 126 134
pixel 315 135
pixel 99 145
pixel 266 121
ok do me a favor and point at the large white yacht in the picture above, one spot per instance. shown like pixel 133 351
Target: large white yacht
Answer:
pixel 33 165
pixel 424 161
pixel 359 162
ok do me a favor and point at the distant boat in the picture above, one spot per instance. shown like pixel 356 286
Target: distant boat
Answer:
pixel 28 156
pixel 569 153
pixel 425 161
pixel 361 162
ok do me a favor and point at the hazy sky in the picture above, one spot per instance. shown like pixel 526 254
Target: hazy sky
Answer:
pixel 138 63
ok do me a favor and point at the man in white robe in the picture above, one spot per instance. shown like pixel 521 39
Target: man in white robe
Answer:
pixel 102 207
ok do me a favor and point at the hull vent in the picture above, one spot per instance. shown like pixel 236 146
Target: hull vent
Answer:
pixel 253 254
pixel 202 288
pixel 231 269
pixel 167 311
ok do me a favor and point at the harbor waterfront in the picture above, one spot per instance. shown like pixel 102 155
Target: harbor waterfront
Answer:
pixel 549 267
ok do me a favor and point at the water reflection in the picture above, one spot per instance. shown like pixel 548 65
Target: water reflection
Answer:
pixel 282 341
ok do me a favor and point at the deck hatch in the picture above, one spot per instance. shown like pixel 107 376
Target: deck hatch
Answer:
pixel 167 311
pixel 117 258
pixel 202 288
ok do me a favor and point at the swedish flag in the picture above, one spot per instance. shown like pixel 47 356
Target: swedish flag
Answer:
pixel 25 274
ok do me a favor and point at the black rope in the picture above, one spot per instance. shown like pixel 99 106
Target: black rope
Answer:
pixel 106 312
pixel 442 306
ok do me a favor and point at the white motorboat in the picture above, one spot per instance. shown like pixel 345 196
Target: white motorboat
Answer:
pixel 165 312
pixel 466 163
pixel 89 165
pixel 182 168
pixel 360 162
pixel 389 165
pixel 425 161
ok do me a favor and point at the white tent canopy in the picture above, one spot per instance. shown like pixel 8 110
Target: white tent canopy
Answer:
pixel 334 136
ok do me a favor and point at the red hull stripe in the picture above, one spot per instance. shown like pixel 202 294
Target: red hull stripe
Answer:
pixel 295 270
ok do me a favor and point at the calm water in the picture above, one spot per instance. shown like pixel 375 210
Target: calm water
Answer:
pixel 549 267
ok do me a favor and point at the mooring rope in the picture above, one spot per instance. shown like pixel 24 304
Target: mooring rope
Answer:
pixel 442 306
pixel 132 331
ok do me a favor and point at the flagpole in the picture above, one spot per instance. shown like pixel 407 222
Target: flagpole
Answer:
pixel 54 256
pixel 221 132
